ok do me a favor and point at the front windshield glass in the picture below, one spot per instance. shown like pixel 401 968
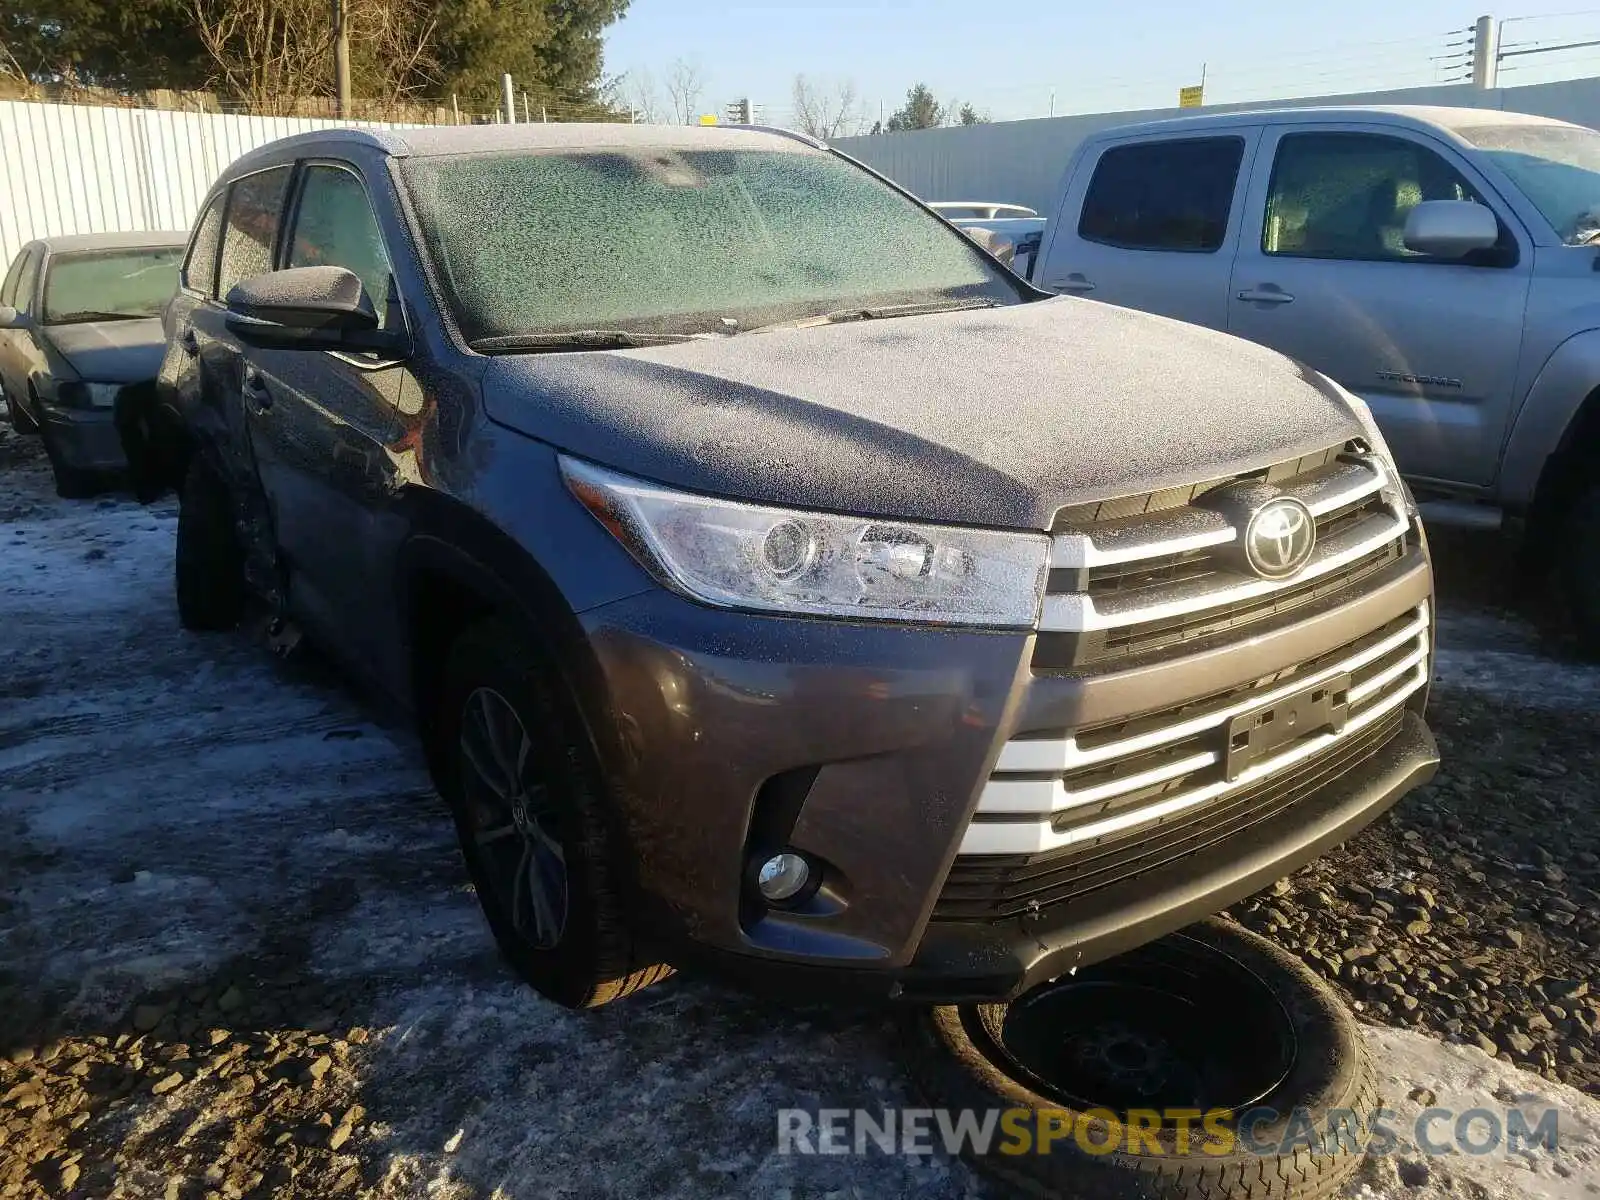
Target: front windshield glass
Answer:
pixel 666 241
pixel 1556 167
pixel 110 285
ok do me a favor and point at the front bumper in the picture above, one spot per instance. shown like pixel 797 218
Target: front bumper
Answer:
pixel 86 438
pixel 727 736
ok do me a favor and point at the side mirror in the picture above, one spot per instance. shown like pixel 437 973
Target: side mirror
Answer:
pixel 1450 228
pixel 306 308
pixel 996 244
pixel 10 318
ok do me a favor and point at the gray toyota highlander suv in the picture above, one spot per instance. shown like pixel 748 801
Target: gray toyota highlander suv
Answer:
pixel 779 583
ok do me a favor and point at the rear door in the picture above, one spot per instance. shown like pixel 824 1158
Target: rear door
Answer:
pixel 1152 223
pixel 250 225
pixel 335 433
pixel 1323 275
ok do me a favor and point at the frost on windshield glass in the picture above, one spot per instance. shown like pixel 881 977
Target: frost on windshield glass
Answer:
pixel 674 241
pixel 1556 166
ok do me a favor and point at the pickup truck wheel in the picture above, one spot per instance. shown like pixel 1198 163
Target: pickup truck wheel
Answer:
pixel 526 794
pixel 209 561
pixel 1213 1018
pixel 1580 572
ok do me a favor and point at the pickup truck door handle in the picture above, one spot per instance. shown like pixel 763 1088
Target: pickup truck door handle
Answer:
pixel 1266 295
pixel 1076 282
pixel 190 342
pixel 254 390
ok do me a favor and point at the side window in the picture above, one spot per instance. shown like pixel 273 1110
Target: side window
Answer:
pixel 1347 195
pixel 1170 195
pixel 200 268
pixel 8 290
pixel 334 226
pixel 255 204
pixel 27 284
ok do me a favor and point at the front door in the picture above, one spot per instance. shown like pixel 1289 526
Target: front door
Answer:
pixel 1322 274
pixel 336 433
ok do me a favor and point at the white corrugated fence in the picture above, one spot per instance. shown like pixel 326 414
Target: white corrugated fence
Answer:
pixel 70 168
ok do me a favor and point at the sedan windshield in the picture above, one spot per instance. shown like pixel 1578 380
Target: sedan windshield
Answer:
pixel 1556 166
pixel 110 285
pixel 667 241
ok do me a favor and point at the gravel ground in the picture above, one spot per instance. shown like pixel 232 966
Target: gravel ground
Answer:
pixel 238 956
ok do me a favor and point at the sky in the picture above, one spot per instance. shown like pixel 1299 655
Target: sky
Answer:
pixel 1094 57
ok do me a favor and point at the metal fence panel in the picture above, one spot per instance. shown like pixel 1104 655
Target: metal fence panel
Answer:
pixel 72 168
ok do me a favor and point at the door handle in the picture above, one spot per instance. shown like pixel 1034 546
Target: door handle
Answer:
pixel 1076 282
pixel 1266 295
pixel 189 342
pixel 254 390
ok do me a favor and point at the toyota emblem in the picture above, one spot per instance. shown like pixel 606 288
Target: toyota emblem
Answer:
pixel 1280 537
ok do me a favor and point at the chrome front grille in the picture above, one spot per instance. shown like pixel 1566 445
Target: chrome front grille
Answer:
pixel 1074 787
pixel 1162 578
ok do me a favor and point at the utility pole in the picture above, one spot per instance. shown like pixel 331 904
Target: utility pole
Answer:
pixel 1485 53
pixel 341 57
pixel 1052 102
pixel 509 98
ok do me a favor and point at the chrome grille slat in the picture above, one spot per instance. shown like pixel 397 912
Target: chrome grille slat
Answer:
pixel 1059 755
pixel 1034 815
pixel 1355 494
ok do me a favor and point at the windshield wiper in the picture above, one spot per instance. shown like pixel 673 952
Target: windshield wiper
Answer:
pixel 841 315
pixel 578 339
pixel 74 318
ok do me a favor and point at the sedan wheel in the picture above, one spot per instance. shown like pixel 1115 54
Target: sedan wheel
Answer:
pixel 513 819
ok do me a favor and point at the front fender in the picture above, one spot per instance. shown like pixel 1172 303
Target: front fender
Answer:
pixel 1557 394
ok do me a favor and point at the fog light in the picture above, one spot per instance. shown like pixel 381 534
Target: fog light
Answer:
pixel 783 876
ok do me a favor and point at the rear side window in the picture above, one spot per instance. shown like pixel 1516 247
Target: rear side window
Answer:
pixel 1173 195
pixel 255 204
pixel 200 268
pixel 8 290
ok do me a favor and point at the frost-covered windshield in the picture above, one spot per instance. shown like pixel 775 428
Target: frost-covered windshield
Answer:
pixel 1556 166
pixel 678 241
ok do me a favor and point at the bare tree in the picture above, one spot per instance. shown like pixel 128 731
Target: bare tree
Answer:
pixel 642 97
pixel 398 41
pixel 827 113
pixel 685 83
pixel 267 53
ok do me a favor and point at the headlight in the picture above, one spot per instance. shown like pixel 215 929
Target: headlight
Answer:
pixel 736 555
pixel 76 394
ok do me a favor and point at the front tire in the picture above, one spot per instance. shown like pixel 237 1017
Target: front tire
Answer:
pixel 209 563
pixel 72 483
pixel 525 790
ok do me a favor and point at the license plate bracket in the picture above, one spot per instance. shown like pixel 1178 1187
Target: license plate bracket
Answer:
pixel 1323 708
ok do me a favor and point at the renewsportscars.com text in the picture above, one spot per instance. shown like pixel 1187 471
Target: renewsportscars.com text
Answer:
pixel 1215 1132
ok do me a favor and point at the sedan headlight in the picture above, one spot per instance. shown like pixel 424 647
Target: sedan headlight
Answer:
pixel 737 555
pixel 77 394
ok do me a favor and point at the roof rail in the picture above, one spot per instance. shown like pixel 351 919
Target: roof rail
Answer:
pixel 792 134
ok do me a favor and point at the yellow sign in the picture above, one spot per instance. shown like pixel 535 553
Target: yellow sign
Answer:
pixel 708 118
pixel 1191 97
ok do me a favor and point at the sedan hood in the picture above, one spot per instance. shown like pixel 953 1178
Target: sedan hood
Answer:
pixel 111 351
pixel 992 417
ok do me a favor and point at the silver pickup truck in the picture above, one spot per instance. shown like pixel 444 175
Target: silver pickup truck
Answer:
pixel 1442 264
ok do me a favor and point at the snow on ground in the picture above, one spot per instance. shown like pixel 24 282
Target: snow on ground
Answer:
pixel 176 808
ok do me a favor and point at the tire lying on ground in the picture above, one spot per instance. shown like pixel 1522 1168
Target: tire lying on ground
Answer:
pixel 1214 1019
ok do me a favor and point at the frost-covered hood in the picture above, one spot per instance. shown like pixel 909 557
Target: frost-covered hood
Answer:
pixel 988 417
pixel 111 351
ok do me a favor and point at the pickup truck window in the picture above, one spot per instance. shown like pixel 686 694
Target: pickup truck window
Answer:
pixel 1168 195
pixel 1556 166
pixel 1347 195
pixel 678 241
